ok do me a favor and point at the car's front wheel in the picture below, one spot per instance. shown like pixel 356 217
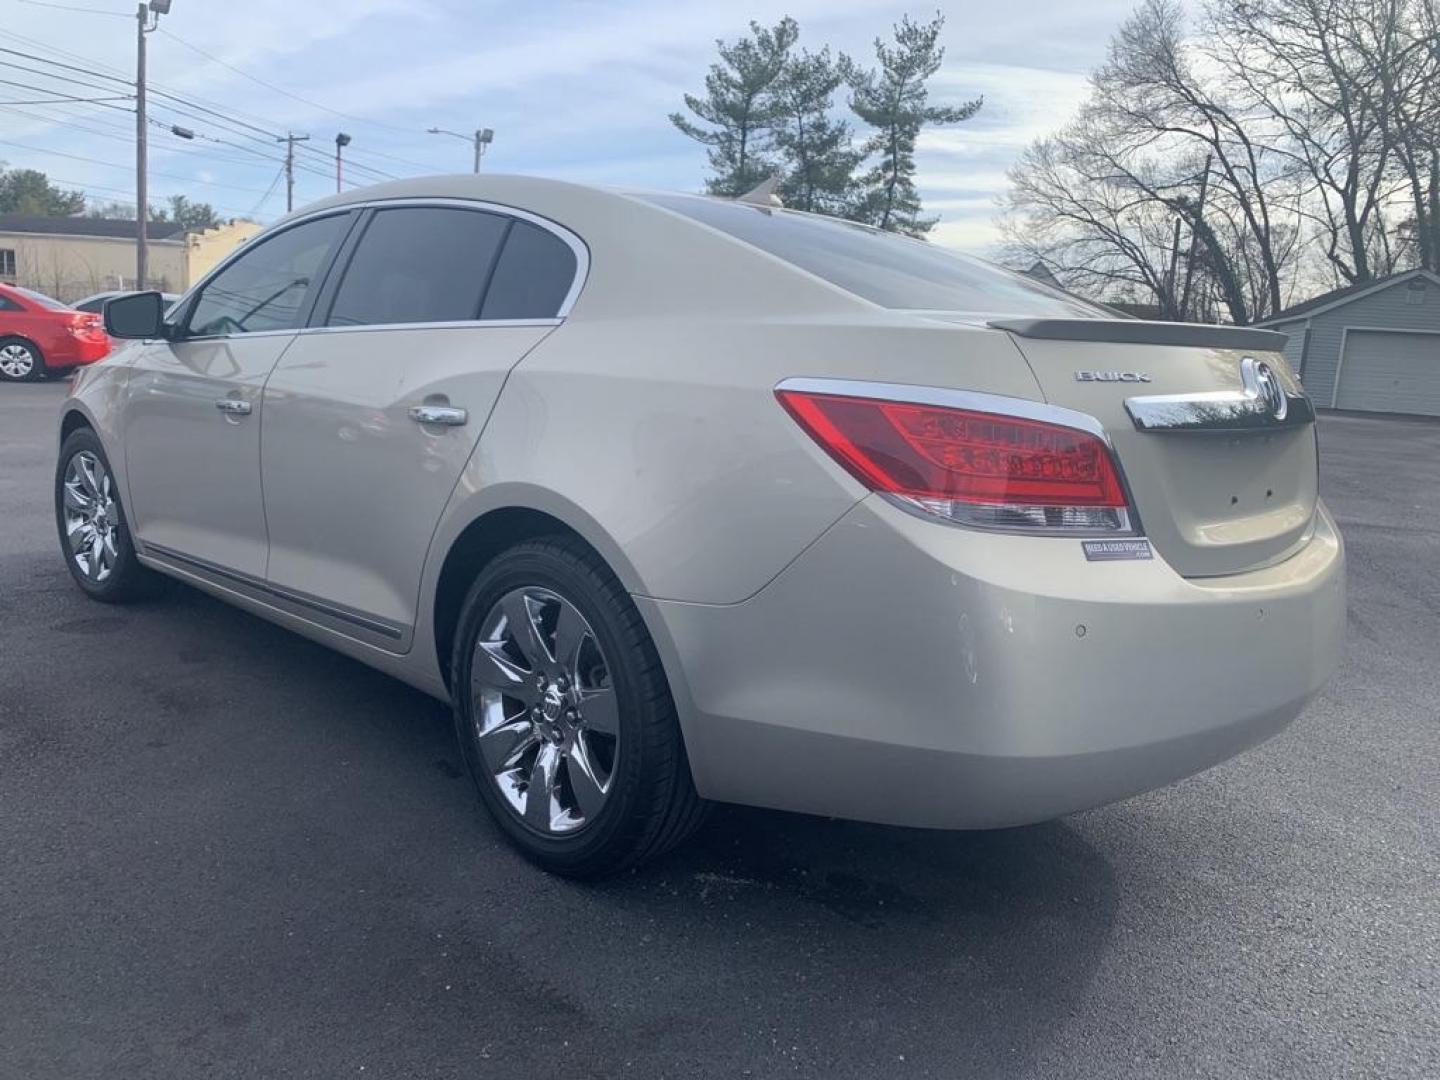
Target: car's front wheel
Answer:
pixel 20 360
pixel 94 532
pixel 564 715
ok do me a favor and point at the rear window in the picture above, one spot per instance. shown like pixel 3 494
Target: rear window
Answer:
pixel 41 299
pixel 885 268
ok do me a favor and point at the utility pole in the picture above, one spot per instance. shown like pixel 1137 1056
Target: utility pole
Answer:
pixel 143 26
pixel 341 141
pixel 482 139
pixel 290 139
pixel 141 194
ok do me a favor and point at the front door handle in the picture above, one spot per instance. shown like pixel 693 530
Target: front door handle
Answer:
pixel 233 406
pixel 447 415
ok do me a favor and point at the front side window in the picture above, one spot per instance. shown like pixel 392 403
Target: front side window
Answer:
pixel 267 287
pixel 419 264
pixel 885 268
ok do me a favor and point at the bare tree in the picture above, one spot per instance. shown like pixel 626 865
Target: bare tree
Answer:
pixel 1298 63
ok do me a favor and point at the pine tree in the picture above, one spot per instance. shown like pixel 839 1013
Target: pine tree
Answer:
pixel 818 153
pixel 738 108
pixel 894 100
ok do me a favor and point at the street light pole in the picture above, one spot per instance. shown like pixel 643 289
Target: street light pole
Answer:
pixel 341 140
pixel 482 139
pixel 141 194
pixel 143 26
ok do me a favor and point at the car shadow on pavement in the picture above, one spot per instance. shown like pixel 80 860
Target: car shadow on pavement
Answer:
pixel 281 814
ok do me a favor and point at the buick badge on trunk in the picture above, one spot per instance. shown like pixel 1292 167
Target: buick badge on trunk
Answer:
pixel 1112 376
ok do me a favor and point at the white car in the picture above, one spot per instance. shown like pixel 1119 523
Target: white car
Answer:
pixel 682 499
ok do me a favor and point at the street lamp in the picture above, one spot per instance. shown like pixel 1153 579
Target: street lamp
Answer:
pixel 147 17
pixel 482 139
pixel 341 140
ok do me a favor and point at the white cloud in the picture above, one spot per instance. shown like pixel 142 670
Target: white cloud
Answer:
pixel 573 88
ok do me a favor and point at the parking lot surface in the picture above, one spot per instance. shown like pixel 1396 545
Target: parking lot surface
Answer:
pixel 228 852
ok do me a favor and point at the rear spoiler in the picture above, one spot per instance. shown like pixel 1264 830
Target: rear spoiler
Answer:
pixel 1140 332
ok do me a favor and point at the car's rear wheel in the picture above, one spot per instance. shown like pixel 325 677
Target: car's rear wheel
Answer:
pixel 564 715
pixel 94 533
pixel 20 360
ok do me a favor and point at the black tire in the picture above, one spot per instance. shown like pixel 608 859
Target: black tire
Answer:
pixel 651 805
pixel 36 370
pixel 126 580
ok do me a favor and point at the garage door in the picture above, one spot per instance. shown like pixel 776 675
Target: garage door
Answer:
pixel 1390 371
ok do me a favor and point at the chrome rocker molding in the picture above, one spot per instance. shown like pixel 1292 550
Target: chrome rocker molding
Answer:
pixel 266 590
pixel 1247 409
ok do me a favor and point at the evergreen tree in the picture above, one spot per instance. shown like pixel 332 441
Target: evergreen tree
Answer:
pixel 29 191
pixel 894 100
pixel 191 216
pixel 819 156
pixel 739 108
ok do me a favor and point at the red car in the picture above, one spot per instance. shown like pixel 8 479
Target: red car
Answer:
pixel 40 336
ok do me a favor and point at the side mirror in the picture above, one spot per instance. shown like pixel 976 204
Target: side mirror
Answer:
pixel 139 315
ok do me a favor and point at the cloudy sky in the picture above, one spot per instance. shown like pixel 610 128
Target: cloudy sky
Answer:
pixel 577 89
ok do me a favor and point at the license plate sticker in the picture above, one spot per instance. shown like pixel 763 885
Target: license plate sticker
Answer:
pixel 1116 550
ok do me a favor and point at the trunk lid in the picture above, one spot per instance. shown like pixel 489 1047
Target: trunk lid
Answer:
pixel 1217 441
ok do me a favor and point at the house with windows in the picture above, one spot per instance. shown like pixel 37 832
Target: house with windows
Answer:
pixel 1373 347
pixel 73 257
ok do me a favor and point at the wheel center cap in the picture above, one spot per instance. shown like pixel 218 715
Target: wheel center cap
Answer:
pixel 552 704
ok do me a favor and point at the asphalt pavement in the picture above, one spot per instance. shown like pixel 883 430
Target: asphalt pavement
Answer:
pixel 228 852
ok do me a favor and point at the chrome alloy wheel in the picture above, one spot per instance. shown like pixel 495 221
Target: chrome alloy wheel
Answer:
pixel 92 520
pixel 16 361
pixel 546 719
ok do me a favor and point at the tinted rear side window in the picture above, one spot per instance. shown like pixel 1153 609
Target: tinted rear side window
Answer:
pixel 885 268
pixel 533 277
pixel 419 264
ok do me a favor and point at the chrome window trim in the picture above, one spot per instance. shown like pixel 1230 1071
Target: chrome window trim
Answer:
pixel 570 239
pixel 974 400
pixel 459 324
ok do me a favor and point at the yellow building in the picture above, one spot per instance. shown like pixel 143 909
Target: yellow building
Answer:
pixel 73 257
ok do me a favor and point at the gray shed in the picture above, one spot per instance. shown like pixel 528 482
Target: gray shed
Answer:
pixel 1373 347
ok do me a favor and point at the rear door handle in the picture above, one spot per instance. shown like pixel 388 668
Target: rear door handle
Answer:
pixel 233 406
pixel 447 415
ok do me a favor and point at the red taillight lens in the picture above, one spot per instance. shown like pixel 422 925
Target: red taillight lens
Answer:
pixel 968 466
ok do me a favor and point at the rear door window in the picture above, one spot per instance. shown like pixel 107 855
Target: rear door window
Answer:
pixel 533 276
pixel 419 264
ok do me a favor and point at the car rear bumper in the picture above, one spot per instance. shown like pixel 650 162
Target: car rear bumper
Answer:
pixel 908 672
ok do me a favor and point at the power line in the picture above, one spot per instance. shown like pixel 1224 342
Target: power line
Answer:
pixel 286 93
pixel 78 10
pixel 128 194
pixel 59 96
pixel 115 165
pixel 230 113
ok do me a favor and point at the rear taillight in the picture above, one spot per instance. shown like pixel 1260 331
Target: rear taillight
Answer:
pixel 967 466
